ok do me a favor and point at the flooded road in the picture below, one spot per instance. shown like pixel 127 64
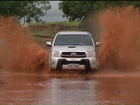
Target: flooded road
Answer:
pixel 35 89
pixel 119 53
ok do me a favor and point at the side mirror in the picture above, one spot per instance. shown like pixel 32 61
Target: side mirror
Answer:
pixel 48 44
pixel 98 44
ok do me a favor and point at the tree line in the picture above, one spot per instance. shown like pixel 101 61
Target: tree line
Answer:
pixel 33 10
pixel 72 10
pixel 81 10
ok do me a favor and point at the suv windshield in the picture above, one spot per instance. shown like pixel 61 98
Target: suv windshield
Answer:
pixel 73 40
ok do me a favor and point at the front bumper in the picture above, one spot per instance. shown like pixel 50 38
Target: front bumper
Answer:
pixel 84 63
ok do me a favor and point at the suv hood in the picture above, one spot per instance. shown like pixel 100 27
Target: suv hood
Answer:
pixel 71 49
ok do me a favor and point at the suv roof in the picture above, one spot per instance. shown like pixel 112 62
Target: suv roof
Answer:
pixel 73 32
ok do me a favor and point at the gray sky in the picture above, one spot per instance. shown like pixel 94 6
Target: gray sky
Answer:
pixel 54 14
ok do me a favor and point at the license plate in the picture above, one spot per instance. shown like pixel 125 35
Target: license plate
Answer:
pixel 73 65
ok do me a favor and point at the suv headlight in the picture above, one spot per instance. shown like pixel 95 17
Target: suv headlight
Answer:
pixel 55 54
pixel 91 53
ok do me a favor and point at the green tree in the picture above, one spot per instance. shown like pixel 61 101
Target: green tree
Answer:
pixel 33 10
pixel 76 10
pixel 81 10
pixel 135 4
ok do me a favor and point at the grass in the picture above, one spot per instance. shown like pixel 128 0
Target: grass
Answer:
pixel 43 33
pixel 41 41
pixel 50 29
pixel 66 23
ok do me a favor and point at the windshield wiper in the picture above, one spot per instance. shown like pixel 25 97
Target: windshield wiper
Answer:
pixel 60 44
pixel 78 44
pixel 72 44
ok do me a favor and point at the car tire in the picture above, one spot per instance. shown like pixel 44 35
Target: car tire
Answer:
pixel 87 66
pixel 59 65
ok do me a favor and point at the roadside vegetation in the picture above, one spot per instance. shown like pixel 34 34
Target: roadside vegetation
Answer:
pixel 43 32
pixel 83 11
pixel 32 10
pixel 86 12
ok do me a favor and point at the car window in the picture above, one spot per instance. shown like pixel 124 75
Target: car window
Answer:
pixel 73 40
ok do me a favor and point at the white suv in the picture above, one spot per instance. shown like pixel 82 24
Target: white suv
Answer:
pixel 73 50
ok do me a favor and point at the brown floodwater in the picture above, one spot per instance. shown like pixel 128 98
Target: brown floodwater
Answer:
pixel 29 80
pixel 79 90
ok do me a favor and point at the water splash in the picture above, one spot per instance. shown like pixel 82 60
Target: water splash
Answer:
pixel 120 38
pixel 18 51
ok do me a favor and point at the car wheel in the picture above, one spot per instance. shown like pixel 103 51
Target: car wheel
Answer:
pixel 59 65
pixel 87 66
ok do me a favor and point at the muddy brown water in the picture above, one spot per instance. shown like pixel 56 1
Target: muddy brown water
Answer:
pixel 119 51
pixel 61 90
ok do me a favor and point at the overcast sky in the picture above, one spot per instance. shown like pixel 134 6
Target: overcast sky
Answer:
pixel 54 14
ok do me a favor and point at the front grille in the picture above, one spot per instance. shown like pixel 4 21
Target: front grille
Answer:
pixel 73 54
